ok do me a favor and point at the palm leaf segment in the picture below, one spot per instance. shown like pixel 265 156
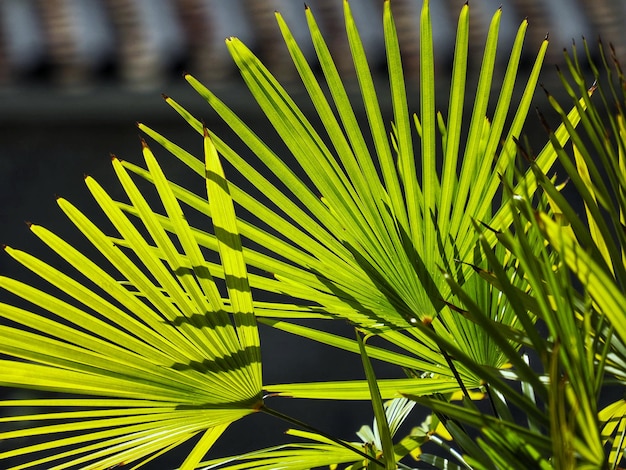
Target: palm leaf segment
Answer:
pixel 157 352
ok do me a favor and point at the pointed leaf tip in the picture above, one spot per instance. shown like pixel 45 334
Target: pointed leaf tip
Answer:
pixel 490 228
pixel 456 309
pixel 543 120
pixel 592 88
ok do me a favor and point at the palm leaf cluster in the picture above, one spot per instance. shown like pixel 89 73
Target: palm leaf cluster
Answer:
pixel 420 230
pixel 575 418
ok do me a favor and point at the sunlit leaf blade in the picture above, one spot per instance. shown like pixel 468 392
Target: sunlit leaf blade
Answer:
pixel 430 182
pixel 235 272
pixel 207 440
pixel 455 117
pixel 380 417
pixel 358 389
pixel 613 422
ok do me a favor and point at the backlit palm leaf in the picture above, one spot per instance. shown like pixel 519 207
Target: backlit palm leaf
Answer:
pixel 157 354
pixel 594 251
pixel 361 232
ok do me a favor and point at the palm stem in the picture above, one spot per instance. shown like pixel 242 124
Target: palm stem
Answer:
pixel 308 427
pixel 452 367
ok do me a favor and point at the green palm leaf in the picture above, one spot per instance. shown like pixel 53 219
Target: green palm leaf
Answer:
pixel 160 357
pixel 371 248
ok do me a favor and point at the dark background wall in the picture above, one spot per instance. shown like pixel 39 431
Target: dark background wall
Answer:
pixel 75 75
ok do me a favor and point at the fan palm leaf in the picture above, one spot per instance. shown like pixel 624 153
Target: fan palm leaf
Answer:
pixel 360 232
pixel 158 356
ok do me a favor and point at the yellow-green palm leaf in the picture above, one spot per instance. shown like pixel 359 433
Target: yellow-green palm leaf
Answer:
pixel 152 353
pixel 363 232
pixel 382 228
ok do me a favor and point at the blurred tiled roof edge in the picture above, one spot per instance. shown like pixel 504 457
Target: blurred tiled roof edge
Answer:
pixel 92 56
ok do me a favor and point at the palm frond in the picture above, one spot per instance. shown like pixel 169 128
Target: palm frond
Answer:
pixel 359 232
pixel 149 342
pixel 363 217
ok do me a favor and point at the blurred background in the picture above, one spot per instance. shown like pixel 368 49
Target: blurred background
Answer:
pixel 75 76
pixel 140 45
pixel 83 59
